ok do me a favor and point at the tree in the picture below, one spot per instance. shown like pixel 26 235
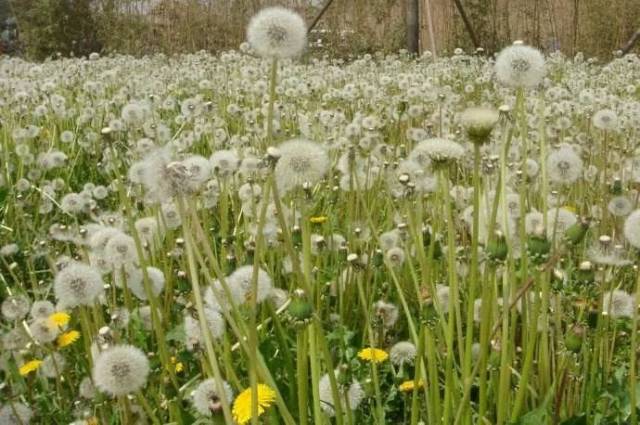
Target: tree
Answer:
pixel 49 27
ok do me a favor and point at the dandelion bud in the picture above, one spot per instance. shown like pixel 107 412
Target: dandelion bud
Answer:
pixel 300 310
pixel 296 235
pixel 479 122
pixel 616 186
pixel 538 247
pixel 576 233
pixel 378 258
pixel 574 338
pixel 504 109
pixel 497 249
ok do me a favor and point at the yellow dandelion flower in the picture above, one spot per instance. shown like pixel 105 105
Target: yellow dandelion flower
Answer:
pixel 68 338
pixel 407 386
pixel 177 366
pixel 318 219
pixel 29 367
pixel 243 403
pixel 59 318
pixel 374 355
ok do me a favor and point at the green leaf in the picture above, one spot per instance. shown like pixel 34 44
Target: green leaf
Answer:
pixel 177 334
pixel 575 420
pixel 534 417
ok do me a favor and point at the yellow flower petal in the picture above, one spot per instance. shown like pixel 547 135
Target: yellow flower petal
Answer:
pixel 374 355
pixel 68 338
pixel 59 318
pixel 243 403
pixel 29 367
pixel 407 386
pixel 319 219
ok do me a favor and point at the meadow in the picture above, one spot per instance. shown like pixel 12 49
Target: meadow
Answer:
pixel 260 236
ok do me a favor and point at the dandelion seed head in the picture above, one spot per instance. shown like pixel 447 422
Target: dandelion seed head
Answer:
pixel 386 312
pixel 618 304
pixel 42 331
pixel 120 370
pixel 276 32
pixel 605 119
pixel 438 150
pixel 520 66
pixel 121 251
pixel 242 278
pixel 403 352
pixel 354 394
pixel 632 229
pixel 564 166
pixel 206 397
pixel 15 414
pixel 301 162
pixel 78 284
pixel 15 307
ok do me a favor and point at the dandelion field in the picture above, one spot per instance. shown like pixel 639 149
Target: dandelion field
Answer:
pixel 256 237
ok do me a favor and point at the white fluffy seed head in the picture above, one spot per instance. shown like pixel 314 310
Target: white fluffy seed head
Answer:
pixel 15 307
pixel 206 397
pixel 479 122
pixel 520 66
pixel 41 309
pixel 439 150
pixel 605 119
pixel 78 284
pixel 156 283
pixel 386 312
pixel 353 393
pixel 42 331
pixel 242 278
pixel 620 206
pixel 617 304
pixel 277 32
pixel 121 251
pixel 564 166
pixel 301 161
pixel 558 221
pixel 15 414
pixel 402 352
pixel 632 229
pixel 395 256
pixel 120 370
pixel 53 365
pixel 87 390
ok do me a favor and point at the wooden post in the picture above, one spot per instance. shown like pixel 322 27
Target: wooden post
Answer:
pixel 413 27
pixel 432 37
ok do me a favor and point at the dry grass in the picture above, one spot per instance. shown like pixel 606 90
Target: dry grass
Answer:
pixel 595 27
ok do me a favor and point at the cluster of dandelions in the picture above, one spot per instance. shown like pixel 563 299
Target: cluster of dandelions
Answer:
pixel 243 234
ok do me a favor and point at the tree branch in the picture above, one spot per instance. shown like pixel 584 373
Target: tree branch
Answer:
pixel 317 18
pixel 632 41
pixel 467 23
